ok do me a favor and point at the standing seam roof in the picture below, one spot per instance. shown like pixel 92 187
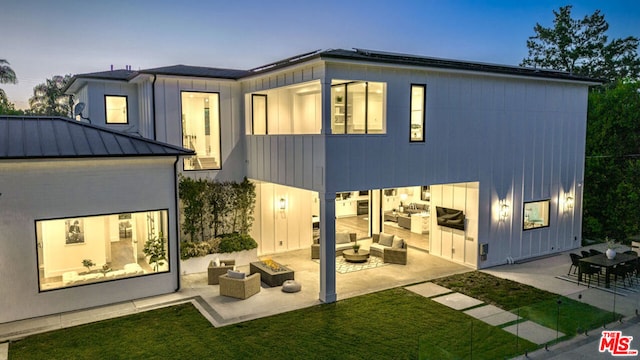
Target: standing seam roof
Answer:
pixel 32 137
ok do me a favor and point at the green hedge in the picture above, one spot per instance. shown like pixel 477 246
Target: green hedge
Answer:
pixel 223 244
pixel 236 242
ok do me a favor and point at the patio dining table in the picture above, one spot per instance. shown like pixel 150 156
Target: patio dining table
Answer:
pixel 602 261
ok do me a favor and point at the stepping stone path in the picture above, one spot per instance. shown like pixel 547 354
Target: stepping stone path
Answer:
pixel 489 314
pixel 492 315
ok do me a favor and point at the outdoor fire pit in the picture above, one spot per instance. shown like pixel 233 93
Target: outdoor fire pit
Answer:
pixel 271 273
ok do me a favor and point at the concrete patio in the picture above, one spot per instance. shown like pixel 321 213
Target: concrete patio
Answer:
pixel 421 267
pixel 222 310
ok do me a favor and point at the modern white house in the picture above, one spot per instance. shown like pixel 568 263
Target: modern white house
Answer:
pixel 480 164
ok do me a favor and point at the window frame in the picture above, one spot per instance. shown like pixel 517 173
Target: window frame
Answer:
pixel 219 129
pixel 346 86
pixel 38 240
pixel 524 214
pixel 266 114
pixel 424 111
pixel 106 111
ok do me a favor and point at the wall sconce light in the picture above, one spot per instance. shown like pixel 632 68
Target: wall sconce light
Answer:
pixel 568 203
pixel 504 210
pixel 282 204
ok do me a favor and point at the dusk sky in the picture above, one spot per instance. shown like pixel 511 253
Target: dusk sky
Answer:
pixel 42 38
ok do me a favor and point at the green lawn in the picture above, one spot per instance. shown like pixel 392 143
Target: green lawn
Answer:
pixel 392 324
pixel 530 303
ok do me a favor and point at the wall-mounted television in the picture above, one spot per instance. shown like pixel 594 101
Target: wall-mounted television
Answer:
pixel 450 218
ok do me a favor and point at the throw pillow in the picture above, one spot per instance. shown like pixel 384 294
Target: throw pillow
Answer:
pixel 216 262
pixel 235 274
pixel 398 243
pixel 386 239
pixel 342 238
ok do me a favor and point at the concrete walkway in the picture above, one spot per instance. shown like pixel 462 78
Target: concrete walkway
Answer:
pixel 542 274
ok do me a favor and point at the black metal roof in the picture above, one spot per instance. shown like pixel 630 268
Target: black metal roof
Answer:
pixel 197 71
pixel 39 137
pixel 375 56
pixel 363 55
pixel 108 75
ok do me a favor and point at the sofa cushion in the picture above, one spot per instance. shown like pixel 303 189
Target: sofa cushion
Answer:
pixel 386 239
pixel 398 243
pixel 342 238
pixel 377 247
pixel 235 274
pixel 342 247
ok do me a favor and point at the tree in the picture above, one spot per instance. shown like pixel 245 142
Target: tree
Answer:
pixel 48 98
pixel 7 75
pixel 6 106
pixel 581 47
pixel 612 166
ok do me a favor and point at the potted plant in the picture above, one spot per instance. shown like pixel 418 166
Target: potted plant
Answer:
pixel 155 250
pixel 356 247
pixel 105 269
pixel 611 249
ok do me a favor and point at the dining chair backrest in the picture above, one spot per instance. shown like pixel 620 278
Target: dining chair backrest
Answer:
pixel 585 253
pixel 594 252
pixel 575 259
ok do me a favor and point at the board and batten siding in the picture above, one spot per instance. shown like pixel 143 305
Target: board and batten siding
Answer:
pixel 52 189
pixel 521 139
pixel 95 100
pixel 169 124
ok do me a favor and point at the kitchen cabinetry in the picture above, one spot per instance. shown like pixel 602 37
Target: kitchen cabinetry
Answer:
pixel 420 223
pixel 348 207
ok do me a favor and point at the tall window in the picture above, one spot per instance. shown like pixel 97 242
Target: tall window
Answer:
pixel 418 98
pixel 201 129
pixel 259 114
pixel 116 109
pixel 358 108
pixel 90 249
pixel 536 215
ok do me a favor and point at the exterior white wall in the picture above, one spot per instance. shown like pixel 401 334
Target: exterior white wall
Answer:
pixel 460 246
pixel 145 107
pixel 520 139
pixel 95 106
pixel 169 125
pixel 278 230
pixel 38 190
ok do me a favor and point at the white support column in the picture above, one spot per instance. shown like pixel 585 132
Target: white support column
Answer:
pixel 327 247
pixel 326 107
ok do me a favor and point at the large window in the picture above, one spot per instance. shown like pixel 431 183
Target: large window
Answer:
pixel 286 110
pixel 201 129
pixel 90 249
pixel 358 107
pixel 116 109
pixel 418 97
pixel 259 114
pixel 536 215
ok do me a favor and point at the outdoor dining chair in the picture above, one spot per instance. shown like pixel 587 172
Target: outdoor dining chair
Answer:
pixel 588 270
pixel 624 270
pixel 575 263
pixel 594 252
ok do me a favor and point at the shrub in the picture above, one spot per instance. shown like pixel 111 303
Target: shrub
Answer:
pixel 223 244
pixel 236 242
pixel 189 249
